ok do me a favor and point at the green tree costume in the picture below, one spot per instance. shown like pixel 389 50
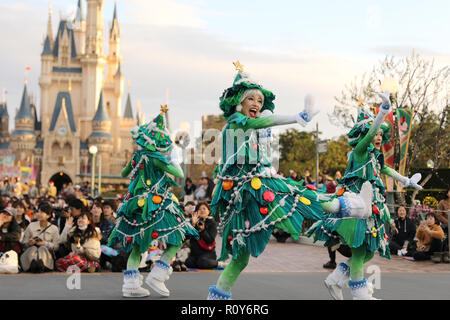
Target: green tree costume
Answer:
pixel 250 197
pixel 363 235
pixel 150 211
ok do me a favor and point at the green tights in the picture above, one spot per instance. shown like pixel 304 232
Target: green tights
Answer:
pixel 360 256
pixel 135 257
pixel 229 276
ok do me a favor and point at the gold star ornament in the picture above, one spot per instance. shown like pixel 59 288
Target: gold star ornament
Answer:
pixel 239 66
pixel 360 101
pixel 164 109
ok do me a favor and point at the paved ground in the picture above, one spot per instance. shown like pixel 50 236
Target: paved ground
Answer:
pixel 283 272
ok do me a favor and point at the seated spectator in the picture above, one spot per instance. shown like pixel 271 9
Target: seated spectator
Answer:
pixel 22 219
pixel 99 221
pixel 10 232
pixel 84 240
pixel 201 191
pixel 41 240
pixel 109 210
pixel 403 231
pixel 60 217
pixel 189 189
pixel 429 235
pixel 189 209
pixel 442 216
pixel 203 251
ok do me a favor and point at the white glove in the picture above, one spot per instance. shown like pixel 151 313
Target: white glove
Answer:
pixel 412 182
pixel 386 102
pixel 355 205
pixel 309 111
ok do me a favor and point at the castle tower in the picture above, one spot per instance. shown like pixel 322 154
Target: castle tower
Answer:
pixel 4 125
pixel 23 138
pixel 79 27
pixel 100 136
pixel 93 65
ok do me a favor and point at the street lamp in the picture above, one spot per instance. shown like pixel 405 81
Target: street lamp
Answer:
pixel 430 164
pixel 99 175
pixel 93 150
pixel 182 140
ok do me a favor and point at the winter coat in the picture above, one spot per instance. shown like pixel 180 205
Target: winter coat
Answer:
pixel 406 231
pixel 424 238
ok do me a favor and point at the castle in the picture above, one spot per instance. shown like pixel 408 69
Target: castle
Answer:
pixel 81 93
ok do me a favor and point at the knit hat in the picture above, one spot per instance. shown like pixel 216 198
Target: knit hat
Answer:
pixel 153 135
pixel 231 97
pixel 362 126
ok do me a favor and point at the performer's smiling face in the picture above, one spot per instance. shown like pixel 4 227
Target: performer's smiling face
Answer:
pixel 378 140
pixel 251 105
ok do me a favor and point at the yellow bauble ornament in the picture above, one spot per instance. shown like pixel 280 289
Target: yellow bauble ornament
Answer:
pixel 141 202
pixel 305 200
pixel 256 183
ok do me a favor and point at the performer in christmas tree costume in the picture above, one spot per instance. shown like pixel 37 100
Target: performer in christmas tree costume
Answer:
pixel 365 234
pixel 149 211
pixel 250 197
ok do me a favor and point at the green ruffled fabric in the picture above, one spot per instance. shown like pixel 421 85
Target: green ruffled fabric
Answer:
pixel 358 232
pixel 244 214
pixel 143 224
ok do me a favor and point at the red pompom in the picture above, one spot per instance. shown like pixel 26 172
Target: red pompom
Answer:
pixel 141 166
pixel 375 209
pixel 268 196
pixel 155 234
pixel 311 187
pixel 133 163
pixel 129 239
pixel 263 210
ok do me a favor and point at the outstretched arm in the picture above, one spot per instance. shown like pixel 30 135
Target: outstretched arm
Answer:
pixel 405 181
pixel 126 171
pixel 361 148
pixel 174 170
pixel 301 118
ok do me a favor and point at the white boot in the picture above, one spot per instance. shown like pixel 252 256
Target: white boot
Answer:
pixel 155 279
pixel 337 280
pixel 216 294
pixel 132 285
pixel 357 205
pixel 360 290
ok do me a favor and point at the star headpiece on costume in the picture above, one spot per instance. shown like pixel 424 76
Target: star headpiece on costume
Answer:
pixel 154 135
pixel 231 97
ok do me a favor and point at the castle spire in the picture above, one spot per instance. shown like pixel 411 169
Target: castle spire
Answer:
pixel 49 23
pixel 102 113
pixel 115 23
pixel 79 14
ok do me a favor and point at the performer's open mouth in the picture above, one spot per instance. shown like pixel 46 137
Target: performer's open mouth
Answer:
pixel 253 112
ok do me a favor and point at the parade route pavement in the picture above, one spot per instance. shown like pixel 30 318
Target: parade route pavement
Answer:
pixel 285 271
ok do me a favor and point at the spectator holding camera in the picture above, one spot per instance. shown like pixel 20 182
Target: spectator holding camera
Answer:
pixel 203 251
pixel 40 240
pixel 403 231
pixel 429 235
pixel 84 241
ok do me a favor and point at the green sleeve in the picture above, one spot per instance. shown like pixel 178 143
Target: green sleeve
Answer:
pixel 177 172
pixel 257 123
pixel 126 171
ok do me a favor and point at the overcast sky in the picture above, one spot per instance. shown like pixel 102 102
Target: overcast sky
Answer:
pixel 292 47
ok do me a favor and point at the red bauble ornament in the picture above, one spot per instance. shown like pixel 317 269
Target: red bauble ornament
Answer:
pixel 311 187
pixel 141 166
pixel 128 196
pixel 227 185
pixel 129 239
pixel 133 163
pixel 162 136
pixel 263 210
pixel 340 192
pixel 155 234
pixel 268 196
pixel 375 173
pixel 375 209
pixel 230 238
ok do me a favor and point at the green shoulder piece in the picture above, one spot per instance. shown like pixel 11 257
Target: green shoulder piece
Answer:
pixel 177 172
